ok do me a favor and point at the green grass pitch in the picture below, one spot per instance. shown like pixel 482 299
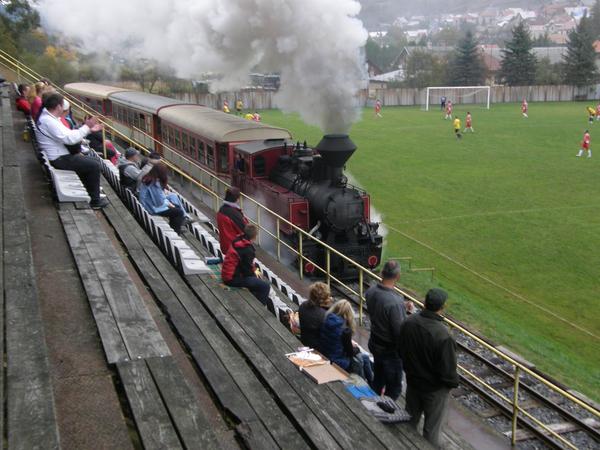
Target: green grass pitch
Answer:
pixel 508 216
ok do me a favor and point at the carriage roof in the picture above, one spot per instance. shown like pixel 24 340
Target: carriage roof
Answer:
pixel 143 101
pixel 92 90
pixel 218 126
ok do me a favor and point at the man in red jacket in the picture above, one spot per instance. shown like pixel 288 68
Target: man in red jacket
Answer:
pixel 230 219
pixel 239 269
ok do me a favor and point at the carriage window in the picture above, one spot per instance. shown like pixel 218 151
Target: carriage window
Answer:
pixel 201 153
pixel 130 117
pixel 142 122
pixel 259 166
pixel 184 143
pixel 192 147
pixel 177 140
pixel 163 132
pixel 170 136
pixel 210 156
pixel 223 158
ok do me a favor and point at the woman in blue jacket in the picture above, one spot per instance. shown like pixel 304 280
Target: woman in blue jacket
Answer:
pixel 335 341
pixel 157 202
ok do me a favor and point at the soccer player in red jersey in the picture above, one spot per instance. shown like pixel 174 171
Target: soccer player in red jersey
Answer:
pixel 378 108
pixel 585 145
pixel 448 110
pixel 469 123
pixel 525 108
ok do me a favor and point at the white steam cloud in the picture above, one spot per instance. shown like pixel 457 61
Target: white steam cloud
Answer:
pixel 314 44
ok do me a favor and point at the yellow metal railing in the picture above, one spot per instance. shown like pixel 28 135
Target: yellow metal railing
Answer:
pixel 519 369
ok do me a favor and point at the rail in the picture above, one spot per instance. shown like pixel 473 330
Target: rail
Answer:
pixel 519 369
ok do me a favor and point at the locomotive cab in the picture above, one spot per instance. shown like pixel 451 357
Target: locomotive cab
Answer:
pixel 308 187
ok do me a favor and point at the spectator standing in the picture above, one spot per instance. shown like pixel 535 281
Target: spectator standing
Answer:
pixel 312 314
pixel 129 169
pixel 22 102
pixel 230 219
pixel 335 341
pixel 239 269
pixel 429 355
pixel 53 138
pixel 387 310
pixel 157 202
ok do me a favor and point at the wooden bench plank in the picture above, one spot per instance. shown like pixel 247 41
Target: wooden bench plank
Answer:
pixel 137 327
pixel 229 376
pixel 402 432
pixel 30 401
pixel 2 343
pixel 191 424
pixel 268 356
pixel 151 417
pixel 112 342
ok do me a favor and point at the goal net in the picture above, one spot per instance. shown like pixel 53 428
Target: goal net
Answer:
pixel 458 95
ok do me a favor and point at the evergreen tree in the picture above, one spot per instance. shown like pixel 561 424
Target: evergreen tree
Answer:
pixel 595 20
pixel 580 59
pixel 518 61
pixel 466 67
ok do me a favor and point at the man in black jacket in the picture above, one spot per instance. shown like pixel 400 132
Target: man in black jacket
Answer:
pixel 387 312
pixel 429 355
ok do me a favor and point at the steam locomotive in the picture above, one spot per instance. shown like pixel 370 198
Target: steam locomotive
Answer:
pixel 306 186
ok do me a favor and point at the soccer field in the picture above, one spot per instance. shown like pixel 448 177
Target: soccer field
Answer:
pixel 508 216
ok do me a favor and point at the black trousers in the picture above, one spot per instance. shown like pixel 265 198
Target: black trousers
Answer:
pixel 176 218
pixel 88 170
pixel 387 375
pixel 434 405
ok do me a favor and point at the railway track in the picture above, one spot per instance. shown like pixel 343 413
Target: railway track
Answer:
pixel 570 421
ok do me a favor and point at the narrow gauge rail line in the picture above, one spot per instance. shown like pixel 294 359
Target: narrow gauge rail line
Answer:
pixel 526 386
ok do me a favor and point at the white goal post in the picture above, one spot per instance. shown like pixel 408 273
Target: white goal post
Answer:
pixel 460 94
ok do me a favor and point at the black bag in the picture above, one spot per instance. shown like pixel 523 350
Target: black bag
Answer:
pixel 74 149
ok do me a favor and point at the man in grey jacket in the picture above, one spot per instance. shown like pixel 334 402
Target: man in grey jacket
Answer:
pixel 387 312
pixel 129 169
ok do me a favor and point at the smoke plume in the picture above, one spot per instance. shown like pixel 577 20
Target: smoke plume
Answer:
pixel 314 44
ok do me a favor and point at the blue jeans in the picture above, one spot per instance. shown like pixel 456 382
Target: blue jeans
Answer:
pixel 362 366
pixel 176 202
pixel 388 375
pixel 259 288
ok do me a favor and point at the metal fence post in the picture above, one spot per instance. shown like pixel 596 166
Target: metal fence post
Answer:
pixel 104 142
pixel 278 241
pixel 300 256
pixel 361 297
pixel 515 416
pixel 258 223
pixel 328 266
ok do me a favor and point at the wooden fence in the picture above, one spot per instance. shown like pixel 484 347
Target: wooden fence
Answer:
pixel 256 100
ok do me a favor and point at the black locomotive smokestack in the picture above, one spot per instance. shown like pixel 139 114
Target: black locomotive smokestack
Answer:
pixel 336 149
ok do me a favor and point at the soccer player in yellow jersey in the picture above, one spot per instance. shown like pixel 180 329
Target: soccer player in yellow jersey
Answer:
pixel 591 114
pixel 457 125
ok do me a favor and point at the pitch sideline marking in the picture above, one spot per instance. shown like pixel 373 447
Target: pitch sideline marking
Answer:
pixel 483 277
pixel 499 213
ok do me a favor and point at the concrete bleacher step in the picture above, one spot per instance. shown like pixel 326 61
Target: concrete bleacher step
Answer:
pixel 31 417
pixel 126 328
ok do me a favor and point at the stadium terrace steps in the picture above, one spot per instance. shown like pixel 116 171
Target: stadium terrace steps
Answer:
pixel 29 403
pixel 239 348
pixel 127 330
